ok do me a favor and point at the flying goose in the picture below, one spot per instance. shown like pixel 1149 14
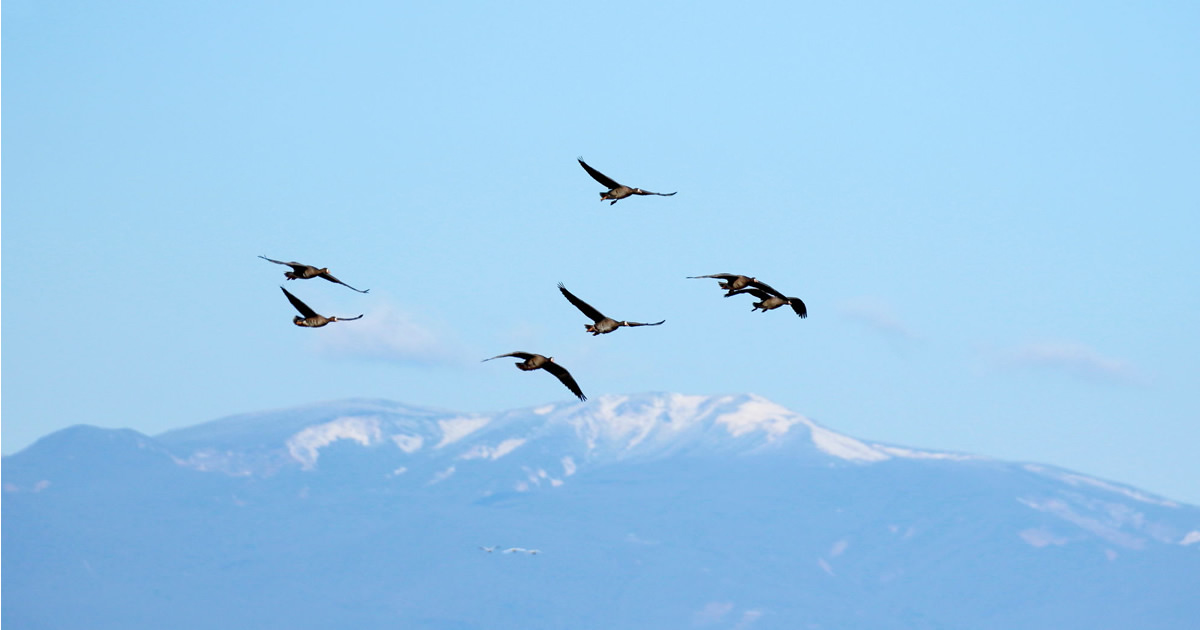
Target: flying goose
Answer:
pixel 616 191
pixel 532 361
pixel 770 298
pixel 311 319
pixel 731 281
pixel 301 271
pixel 489 549
pixel 603 324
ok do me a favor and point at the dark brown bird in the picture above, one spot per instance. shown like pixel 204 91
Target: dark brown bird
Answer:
pixel 770 298
pixel 311 319
pixel 301 271
pixel 731 281
pixel 532 361
pixel 602 324
pixel 616 191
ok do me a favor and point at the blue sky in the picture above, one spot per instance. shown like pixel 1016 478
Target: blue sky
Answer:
pixel 990 210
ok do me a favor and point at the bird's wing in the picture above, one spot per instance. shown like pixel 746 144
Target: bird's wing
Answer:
pixel 720 276
pixel 641 324
pixel 766 287
pixel 564 376
pixel 329 277
pixel 524 356
pixel 294 265
pixel 604 180
pixel 300 306
pixel 762 295
pixel 349 319
pixel 586 308
pixel 798 305
pixel 639 191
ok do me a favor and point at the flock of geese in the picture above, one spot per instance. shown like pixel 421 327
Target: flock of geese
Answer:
pixel 732 284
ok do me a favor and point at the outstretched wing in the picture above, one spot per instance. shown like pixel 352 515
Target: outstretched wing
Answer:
pixel 586 308
pixel 766 287
pixel 641 324
pixel 294 265
pixel 762 295
pixel 604 180
pixel 524 356
pixel 564 376
pixel 798 305
pixel 719 276
pixel 639 191
pixel 300 306
pixel 329 277
pixel 349 319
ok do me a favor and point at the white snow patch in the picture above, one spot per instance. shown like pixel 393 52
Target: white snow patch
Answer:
pixel 455 429
pixel 759 414
pixel 1109 531
pixel 1191 538
pixel 908 453
pixel 304 446
pixel 842 446
pixel 481 451
pixel 568 465
pixel 409 443
pixel 1076 480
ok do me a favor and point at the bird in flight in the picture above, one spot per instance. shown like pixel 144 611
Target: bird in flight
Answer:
pixel 730 281
pixel 301 271
pixel 310 317
pixel 489 549
pixel 616 191
pixel 532 361
pixel 770 298
pixel 602 324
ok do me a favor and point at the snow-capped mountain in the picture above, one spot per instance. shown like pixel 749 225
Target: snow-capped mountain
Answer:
pixel 654 510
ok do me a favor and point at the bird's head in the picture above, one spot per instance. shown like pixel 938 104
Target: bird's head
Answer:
pixel 297 320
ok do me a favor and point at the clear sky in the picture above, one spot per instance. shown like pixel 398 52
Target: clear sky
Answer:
pixel 990 209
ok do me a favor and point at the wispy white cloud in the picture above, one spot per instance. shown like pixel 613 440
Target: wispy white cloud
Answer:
pixel 1073 357
pixel 748 619
pixel 876 314
pixel 387 333
pixel 712 612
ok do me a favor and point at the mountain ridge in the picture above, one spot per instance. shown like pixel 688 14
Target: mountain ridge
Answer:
pixel 649 511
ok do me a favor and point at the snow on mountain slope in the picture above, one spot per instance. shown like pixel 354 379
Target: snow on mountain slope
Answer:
pixel 648 511
pixel 544 447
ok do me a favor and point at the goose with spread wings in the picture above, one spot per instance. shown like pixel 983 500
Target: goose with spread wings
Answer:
pixel 531 361
pixel 602 323
pixel 301 271
pixel 309 318
pixel 729 281
pixel 770 298
pixel 616 191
